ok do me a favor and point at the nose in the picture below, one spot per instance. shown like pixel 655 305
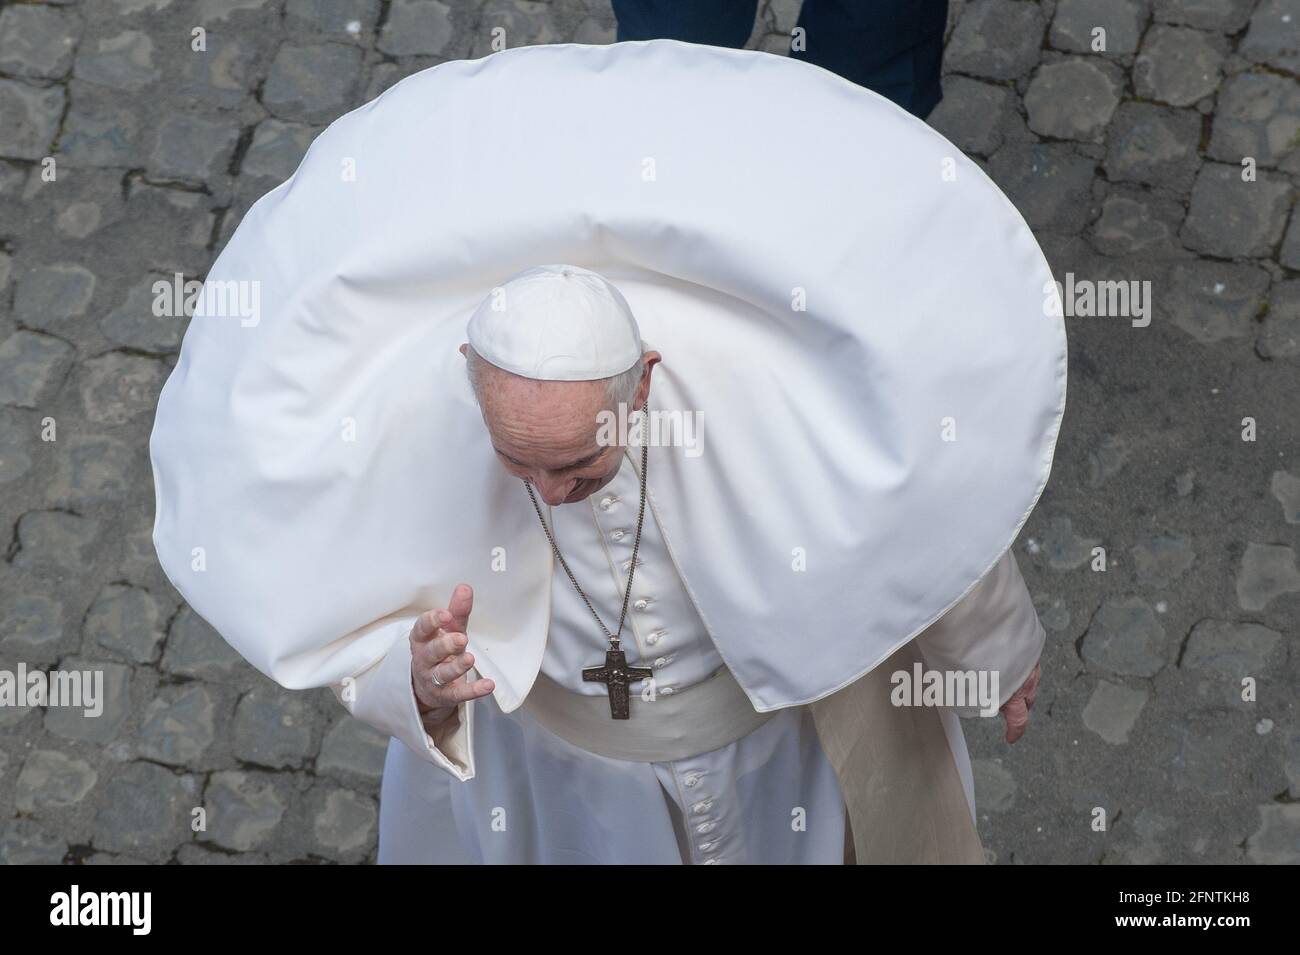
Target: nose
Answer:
pixel 554 490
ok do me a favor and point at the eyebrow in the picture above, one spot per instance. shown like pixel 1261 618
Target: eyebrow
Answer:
pixel 575 464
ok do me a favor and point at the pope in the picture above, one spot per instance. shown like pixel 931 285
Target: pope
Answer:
pixel 643 644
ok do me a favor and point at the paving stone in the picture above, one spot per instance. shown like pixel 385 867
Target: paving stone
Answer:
pixel 48 296
pixel 274 155
pixel 1274 36
pixel 997 39
pixel 1178 65
pixel 1073 99
pixel 100 131
pixel 195 650
pixel 1277 840
pixel 190 854
pixel 218 11
pixel 1075 20
pixel 274 729
pixel 1050 183
pixel 1064 549
pixel 1053 613
pixel 1113 710
pixel 1213 301
pixel 181 225
pixel 53 780
pixel 54 539
pixel 1221 16
pixel 1290 252
pixel 352 749
pixel 31 625
pixel 1279 336
pixel 344 824
pixel 1258 115
pixel 29 117
pixel 1228 217
pixel 1292 762
pixel 92 469
pixel 243 810
pixel 1286 488
pixel 525 24
pixel 421 28
pixel 1135 222
pixel 133 324
pixel 1235 650
pixel 179 725
pixel 31 366
pixel 145 811
pixel 1268 571
pixel 24 842
pixel 127 620
pixel 115 387
pixel 971 114
pixel 1154 145
pixel 16 440
pixel 312 83
pixel 74 723
pixel 1160 559
pixel 345 17
pixel 222 75
pixel 124 61
pixel 1124 637
pixel 192 149
pixel 37 41
pixel 129 7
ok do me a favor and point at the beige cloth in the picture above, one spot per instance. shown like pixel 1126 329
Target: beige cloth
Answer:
pixel 903 797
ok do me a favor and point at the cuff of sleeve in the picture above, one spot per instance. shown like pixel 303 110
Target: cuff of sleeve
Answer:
pixel 384 698
pixel 994 628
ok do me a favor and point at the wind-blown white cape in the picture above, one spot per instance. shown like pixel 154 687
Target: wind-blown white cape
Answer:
pixel 830 282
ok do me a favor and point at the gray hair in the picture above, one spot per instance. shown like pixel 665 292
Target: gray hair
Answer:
pixel 620 389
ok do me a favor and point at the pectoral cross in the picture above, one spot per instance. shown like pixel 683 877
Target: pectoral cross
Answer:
pixel 616 675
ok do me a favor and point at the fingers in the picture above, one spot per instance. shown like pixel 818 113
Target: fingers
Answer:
pixel 446 644
pixel 1017 716
pixel 452 668
pixel 463 691
pixel 462 603
pixel 425 627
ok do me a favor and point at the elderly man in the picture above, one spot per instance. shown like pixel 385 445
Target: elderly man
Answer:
pixel 718 595
pixel 695 774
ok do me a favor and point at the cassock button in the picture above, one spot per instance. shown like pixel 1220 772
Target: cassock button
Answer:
pixel 666 690
pixel 617 535
pixel 660 662
pixel 654 637
pixel 641 604
pixel 705 827
pixel 607 503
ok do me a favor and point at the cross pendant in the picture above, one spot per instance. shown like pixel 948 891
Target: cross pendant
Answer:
pixel 616 675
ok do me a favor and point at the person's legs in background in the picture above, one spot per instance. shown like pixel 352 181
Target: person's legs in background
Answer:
pixel 894 47
pixel 712 22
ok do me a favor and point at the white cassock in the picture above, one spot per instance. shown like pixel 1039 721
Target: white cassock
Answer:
pixel 770 797
pixel 867 327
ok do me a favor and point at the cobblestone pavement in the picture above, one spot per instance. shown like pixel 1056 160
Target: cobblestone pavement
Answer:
pixel 1126 162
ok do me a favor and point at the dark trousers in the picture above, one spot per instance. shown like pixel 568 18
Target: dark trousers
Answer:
pixel 894 47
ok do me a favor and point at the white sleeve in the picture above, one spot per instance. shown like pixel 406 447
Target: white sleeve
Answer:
pixel 994 628
pixel 383 697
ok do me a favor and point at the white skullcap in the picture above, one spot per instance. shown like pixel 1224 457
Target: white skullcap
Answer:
pixel 556 323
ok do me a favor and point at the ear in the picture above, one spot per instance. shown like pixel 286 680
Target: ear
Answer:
pixel 464 351
pixel 651 358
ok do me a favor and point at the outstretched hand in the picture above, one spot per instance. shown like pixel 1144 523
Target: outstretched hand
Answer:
pixel 438 641
pixel 1016 710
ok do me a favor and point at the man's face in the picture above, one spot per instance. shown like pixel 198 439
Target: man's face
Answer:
pixel 545 432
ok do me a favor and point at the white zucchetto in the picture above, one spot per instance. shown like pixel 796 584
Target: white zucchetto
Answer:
pixel 556 323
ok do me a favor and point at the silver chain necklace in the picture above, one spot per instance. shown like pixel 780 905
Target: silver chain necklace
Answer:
pixel 616 674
